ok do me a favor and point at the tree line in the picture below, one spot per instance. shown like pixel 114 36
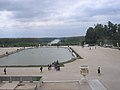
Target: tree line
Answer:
pixel 24 42
pixel 103 34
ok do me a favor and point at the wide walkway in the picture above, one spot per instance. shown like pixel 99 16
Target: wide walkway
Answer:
pixel 109 61
pixel 106 58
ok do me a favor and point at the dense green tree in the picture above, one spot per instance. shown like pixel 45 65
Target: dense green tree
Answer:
pixel 24 42
pixel 105 31
pixel 110 25
pixel 99 31
pixel 90 36
pixel 118 28
pixel 107 34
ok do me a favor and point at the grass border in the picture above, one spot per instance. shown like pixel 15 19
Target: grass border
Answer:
pixel 72 59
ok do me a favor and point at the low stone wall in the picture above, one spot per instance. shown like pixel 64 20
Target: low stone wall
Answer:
pixel 37 79
pixel 20 78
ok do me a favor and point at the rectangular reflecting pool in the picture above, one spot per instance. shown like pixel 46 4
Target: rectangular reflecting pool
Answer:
pixel 37 56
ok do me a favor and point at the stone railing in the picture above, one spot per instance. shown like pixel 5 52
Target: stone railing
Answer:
pixel 35 78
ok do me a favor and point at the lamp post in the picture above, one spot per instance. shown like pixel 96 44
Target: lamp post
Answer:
pixel 84 71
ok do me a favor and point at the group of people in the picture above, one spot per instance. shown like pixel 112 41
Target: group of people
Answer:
pixel 55 64
pixel 91 48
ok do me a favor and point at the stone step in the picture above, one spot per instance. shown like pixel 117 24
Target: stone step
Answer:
pixel 96 85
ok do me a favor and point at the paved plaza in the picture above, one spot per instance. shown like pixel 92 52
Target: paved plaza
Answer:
pixel 106 58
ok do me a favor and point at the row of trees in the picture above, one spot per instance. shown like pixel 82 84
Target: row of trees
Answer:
pixel 24 42
pixel 103 34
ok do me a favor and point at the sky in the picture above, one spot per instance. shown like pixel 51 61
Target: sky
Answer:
pixel 54 18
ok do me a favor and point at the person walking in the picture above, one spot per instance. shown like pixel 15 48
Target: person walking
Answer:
pixel 5 71
pixel 98 70
pixel 41 69
pixel 48 67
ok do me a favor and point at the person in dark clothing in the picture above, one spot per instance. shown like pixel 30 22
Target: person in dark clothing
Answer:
pixel 50 66
pixel 98 70
pixel 41 69
pixel 5 71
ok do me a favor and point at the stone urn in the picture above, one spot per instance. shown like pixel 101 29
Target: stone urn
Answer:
pixel 84 71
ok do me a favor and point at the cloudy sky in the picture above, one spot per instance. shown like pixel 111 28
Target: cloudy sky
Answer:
pixel 54 18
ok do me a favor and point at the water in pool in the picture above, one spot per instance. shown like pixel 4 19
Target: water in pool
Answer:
pixel 37 56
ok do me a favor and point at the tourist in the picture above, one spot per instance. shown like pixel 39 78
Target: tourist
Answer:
pixel 98 70
pixel 48 67
pixel 7 53
pixel 53 65
pixel 5 71
pixel 41 69
pixel 58 67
